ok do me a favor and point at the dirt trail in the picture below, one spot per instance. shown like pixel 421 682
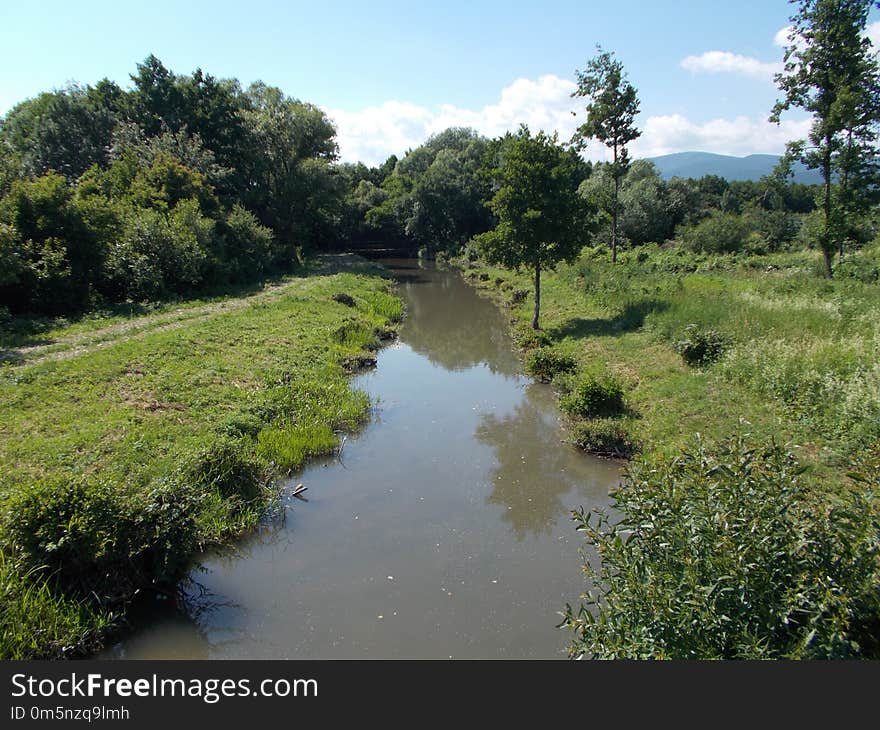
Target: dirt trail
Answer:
pixel 75 345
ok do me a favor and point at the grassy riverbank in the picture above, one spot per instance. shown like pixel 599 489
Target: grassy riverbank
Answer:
pixel 790 352
pixel 126 446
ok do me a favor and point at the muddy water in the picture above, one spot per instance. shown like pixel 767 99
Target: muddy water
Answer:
pixel 442 530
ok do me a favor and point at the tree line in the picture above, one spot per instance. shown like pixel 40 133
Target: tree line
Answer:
pixel 183 182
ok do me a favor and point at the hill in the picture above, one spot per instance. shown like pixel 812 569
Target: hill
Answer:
pixel 751 167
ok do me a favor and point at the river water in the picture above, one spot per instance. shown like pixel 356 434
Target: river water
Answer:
pixel 441 531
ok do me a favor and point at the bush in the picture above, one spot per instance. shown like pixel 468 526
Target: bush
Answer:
pixel 725 553
pixel 159 253
pixel 48 254
pixel 89 537
pixel 544 363
pixel 700 346
pixel 717 233
pixel 249 249
pixel 604 437
pixel 595 396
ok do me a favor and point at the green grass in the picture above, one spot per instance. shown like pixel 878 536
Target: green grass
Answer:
pixel 799 355
pixel 121 461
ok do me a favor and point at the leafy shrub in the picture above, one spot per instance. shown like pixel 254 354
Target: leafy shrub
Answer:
pixel 700 346
pixel 717 233
pixel 603 436
pixel 518 296
pixel 544 363
pixel 725 553
pixel 248 249
pixel 595 396
pixel 91 537
pixel 159 253
pixel 47 252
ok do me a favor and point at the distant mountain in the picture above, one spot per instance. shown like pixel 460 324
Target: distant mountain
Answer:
pixel 752 167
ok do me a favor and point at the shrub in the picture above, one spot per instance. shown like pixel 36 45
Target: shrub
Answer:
pixel 700 346
pixel 90 537
pixel 604 437
pixel 249 249
pixel 543 363
pixel 725 553
pixel 595 396
pixel 518 296
pixel 159 253
pixel 717 233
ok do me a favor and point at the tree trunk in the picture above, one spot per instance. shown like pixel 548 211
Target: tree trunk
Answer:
pixel 827 242
pixel 537 296
pixel 614 211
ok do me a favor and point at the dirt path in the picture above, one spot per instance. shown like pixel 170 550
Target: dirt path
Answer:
pixel 75 345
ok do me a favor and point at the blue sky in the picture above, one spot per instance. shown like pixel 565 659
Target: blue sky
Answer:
pixel 391 73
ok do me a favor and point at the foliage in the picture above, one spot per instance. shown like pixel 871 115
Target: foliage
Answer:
pixel 700 346
pixel 717 233
pixel 541 218
pixel 611 114
pixel 832 72
pixel 544 363
pixel 604 437
pixel 723 552
pixel 595 396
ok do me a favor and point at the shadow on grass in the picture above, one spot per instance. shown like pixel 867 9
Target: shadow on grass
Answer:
pixel 629 319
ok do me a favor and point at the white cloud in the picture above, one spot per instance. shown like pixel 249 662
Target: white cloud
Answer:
pixel 781 38
pixel 665 134
pixel 726 62
pixel 374 133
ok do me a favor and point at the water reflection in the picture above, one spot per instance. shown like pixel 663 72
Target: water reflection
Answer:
pixel 449 323
pixel 534 471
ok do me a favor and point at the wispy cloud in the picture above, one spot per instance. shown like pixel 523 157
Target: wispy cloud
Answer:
pixel 726 62
pixel 372 134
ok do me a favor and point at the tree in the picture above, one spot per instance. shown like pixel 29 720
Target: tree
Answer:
pixel 611 112
pixel 541 217
pixel 831 72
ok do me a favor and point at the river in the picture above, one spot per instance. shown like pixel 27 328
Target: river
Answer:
pixel 441 531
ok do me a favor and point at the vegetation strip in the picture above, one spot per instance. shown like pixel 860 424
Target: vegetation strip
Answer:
pixel 122 462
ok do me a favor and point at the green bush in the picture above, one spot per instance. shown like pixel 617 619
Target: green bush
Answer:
pixel 48 254
pixel 700 346
pixel 717 233
pixel 595 396
pixel 604 437
pixel 248 249
pixel 724 552
pixel 90 537
pixel 544 363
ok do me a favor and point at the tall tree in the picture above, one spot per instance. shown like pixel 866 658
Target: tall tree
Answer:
pixel 832 72
pixel 541 217
pixel 611 114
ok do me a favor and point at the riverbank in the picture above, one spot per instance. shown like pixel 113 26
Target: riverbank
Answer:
pixel 126 449
pixel 769 341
